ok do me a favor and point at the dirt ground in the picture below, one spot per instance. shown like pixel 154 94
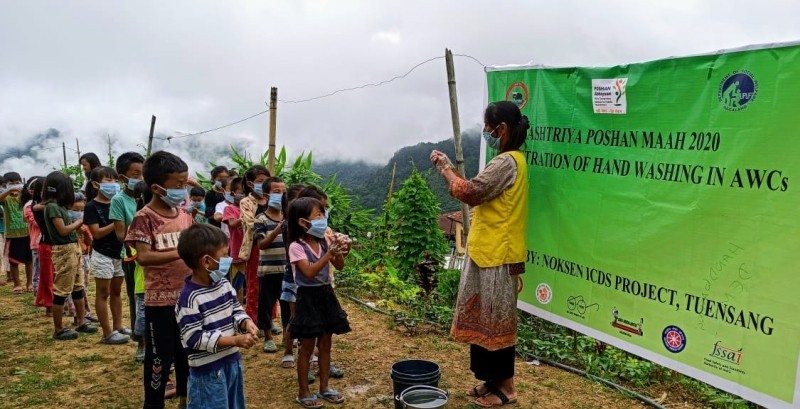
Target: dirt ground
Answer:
pixel 37 372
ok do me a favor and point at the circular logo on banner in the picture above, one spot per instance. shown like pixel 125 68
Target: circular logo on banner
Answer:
pixel 737 90
pixel 674 339
pixel 518 94
pixel 543 293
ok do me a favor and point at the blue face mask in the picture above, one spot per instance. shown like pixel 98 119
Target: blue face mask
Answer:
pixel 318 227
pixel 228 197
pixel 258 189
pixel 218 184
pixel 222 270
pixel 275 200
pixel 75 215
pixel 132 183
pixel 492 141
pixel 173 197
pixel 109 189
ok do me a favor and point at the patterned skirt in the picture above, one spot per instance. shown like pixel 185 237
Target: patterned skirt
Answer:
pixel 486 308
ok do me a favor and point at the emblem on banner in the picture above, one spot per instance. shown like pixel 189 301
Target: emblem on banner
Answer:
pixel 737 90
pixel 674 339
pixel 544 293
pixel 518 94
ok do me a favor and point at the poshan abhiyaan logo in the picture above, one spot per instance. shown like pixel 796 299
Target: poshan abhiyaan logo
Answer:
pixel 737 90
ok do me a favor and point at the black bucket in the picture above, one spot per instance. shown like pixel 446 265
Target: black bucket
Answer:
pixel 413 372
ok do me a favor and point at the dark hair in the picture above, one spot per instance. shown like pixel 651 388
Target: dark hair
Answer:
pixel 2 179
pixel 251 174
pixel 217 170
pixel 160 165
pixel 508 112
pixel 300 208
pixel 125 160
pixel 237 183
pixel 58 188
pixel 142 194
pixel 200 240
pixel 313 191
pixel 232 173
pixel 291 193
pixel 267 185
pixel 12 177
pixel 91 159
pixel 34 183
pixel 79 197
pixel 103 172
pixel 197 191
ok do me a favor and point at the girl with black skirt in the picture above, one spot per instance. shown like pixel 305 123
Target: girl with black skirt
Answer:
pixel 318 314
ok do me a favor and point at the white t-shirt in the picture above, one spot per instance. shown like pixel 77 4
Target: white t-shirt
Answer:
pixel 220 209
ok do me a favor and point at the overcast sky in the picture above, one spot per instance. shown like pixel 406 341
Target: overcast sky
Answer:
pixel 91 69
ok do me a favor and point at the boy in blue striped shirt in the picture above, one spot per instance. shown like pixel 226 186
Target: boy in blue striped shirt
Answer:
pixel 208 315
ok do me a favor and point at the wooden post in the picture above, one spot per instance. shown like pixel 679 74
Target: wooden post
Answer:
pixel 273 112
pixel 64 151
pixel 451 85
pixel 150 138
pixel 78 147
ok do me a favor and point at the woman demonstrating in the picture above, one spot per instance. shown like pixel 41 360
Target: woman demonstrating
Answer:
pixel 486 309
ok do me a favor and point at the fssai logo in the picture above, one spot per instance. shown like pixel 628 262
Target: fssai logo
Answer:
pixel 543 293
pixel 674 339
pixel 518 94
pixel 737 90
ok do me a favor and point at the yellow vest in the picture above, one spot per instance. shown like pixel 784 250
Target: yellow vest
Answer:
pixel 497 232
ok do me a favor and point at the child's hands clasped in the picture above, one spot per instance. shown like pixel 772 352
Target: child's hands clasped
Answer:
pixel 245 341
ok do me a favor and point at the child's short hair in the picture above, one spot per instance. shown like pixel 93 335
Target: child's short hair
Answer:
pixel 11 177
pixel 197 191
pixel 217 170
pixel 159 165
pixel 102 172
pixel 313 191
pixel 79 197
pixel 267 185
pixel 300 208
pixel 58 188
pixel 200 240
pixel 291 193
pixel 236 184
pixel 125 160
pixel 251 175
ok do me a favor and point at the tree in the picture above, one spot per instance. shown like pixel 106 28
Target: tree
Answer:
pixel 415 225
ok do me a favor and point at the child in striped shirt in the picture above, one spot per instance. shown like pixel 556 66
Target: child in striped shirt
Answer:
pixel 209 316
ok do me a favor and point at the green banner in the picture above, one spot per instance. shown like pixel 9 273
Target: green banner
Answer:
pixel 663 210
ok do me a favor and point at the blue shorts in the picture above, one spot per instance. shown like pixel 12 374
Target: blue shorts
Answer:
pixel 223 388
pixel 289 292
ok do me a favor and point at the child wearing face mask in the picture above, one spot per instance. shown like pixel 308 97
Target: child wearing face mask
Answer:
pixel 106 259
pixel 197 205
pixel 255 203
pixel 58 196
pixel 232 218
pixel 318 314
pixel 213 325
pixel 272 262
pixel 154 233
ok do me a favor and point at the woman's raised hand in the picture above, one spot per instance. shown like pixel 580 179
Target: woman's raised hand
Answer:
pixel 440 161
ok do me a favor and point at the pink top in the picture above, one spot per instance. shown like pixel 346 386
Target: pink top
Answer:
pixel 237 233
pixel 33 227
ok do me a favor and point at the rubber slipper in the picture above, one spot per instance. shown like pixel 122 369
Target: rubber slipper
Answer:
pixel 18 290
pixel 332 396
pixel 314 363
pixel 287 362
pixel 309 402
pixel 493 390
pixel 474 391
pixel 270 347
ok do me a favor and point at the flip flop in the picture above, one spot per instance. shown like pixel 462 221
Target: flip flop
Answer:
pixel 309 402
pixel 314 363
pixel 333 396
pixel 473 393
pixel 493 390
pixel 287 362
pixel 18 290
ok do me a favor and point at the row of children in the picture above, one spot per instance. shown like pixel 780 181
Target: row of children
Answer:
pixel 188 313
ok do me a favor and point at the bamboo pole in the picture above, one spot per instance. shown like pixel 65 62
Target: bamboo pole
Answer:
pixel 451 85
pixel 273 112
pixel 150 138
